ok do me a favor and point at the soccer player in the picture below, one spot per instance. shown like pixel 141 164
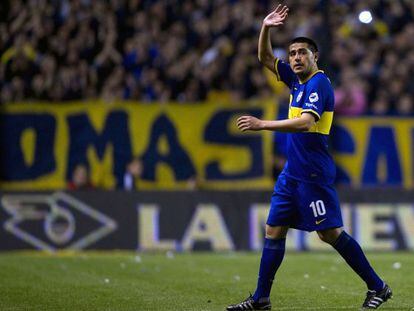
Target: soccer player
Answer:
pixel 304 197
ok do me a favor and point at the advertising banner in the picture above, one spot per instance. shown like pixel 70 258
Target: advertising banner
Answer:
pixel 42 144
pixel 372 151
pixel 181 221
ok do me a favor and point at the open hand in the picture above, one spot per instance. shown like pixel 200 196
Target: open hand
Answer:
pixel 277 17
pixel 245 123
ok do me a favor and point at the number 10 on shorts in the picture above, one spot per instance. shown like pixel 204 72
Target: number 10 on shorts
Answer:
pixel 318 208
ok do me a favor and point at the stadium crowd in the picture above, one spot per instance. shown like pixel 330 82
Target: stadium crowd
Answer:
pixel 187 51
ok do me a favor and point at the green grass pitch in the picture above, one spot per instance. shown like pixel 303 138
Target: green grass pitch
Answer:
pixel 197 281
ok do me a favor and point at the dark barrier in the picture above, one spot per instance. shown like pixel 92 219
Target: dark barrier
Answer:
pixel 200 220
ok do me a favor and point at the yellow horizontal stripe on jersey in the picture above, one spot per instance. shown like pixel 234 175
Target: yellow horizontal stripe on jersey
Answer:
pixel 312 111
pixel 294 112
pixel 322 126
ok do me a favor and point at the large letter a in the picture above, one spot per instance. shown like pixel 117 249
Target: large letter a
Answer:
pixel 176 157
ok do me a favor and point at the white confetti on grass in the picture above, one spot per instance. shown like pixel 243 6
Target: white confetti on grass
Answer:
pixel 397 265
pixel 170 255
pixel 138 259
pixel 323 287
pixel 106 281
pixel 306 276
pixel 122 265
pixel 237 278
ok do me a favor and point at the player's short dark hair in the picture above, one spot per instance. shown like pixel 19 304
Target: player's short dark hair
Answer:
pixel 312 44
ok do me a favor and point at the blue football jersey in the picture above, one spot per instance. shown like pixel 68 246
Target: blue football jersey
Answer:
pixel 307 153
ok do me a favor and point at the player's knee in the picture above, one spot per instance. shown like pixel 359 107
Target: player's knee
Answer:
pixel 276 232
pixel 324 237
pixel 329 236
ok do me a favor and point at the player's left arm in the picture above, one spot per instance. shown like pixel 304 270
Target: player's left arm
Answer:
pixel 312 110
pixel 302 124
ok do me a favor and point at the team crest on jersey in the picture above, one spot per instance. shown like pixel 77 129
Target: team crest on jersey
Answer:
pixel 313 97
pixel 299 96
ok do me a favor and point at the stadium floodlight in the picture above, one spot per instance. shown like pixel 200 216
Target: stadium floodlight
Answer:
pixel 365 17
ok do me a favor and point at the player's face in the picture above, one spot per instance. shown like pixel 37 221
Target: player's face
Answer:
pixel 301 59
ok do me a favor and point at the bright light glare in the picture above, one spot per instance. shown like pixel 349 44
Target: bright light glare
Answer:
pixel 365 17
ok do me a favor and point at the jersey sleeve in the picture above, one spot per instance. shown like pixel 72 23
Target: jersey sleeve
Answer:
pixel 315 99
pixel 284 73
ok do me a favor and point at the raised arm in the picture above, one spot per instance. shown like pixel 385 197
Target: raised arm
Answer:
pixel 265 52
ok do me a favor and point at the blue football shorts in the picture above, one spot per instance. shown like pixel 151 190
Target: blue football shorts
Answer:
pixel 304 206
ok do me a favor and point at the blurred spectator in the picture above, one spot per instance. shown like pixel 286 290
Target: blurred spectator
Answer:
pixel 193 183
pixel 132 174
pixel 405 105
pixel 80 179
pixel 381 106
pixel 350 98
pixel 190 51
